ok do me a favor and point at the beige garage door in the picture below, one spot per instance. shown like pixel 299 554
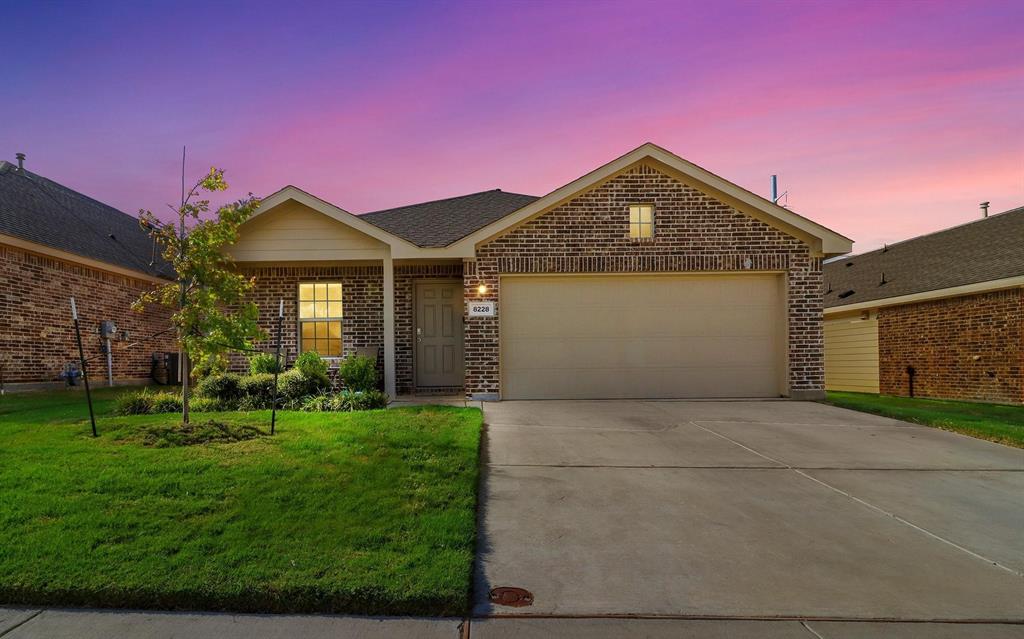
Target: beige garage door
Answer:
pixel 648 336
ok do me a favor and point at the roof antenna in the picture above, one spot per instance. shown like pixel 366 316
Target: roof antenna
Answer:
pixel 984 209
pixel 775 191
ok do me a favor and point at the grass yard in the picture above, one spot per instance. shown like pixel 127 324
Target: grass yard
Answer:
pixel 994 422
pixel 370 512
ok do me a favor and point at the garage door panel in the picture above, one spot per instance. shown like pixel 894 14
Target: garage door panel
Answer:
pixel 641 336
pixel 687 322
pixel 656 383
pixel 554 352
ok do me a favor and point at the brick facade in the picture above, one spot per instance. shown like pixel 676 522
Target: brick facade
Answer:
pixel 362 302
pixel 961 348
pixel 694 233
pixel 36 332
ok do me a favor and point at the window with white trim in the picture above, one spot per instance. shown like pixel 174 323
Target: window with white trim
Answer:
pixel 320 318
pixel 641 221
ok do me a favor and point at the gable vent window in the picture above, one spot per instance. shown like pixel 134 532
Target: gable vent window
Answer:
pixel 641 221
pixel 320 317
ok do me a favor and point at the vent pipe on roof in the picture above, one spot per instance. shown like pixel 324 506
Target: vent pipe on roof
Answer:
pixel 775 189
pixel 984 209
pixel 21 161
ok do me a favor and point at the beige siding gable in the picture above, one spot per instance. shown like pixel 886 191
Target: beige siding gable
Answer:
pixel 293 232
pixel 851 353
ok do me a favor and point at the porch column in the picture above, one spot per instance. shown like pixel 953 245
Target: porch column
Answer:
pixel 389 324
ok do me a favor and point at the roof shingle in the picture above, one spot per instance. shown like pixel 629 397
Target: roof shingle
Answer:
pixel 40 210
pixel 442 222
pixel 988 249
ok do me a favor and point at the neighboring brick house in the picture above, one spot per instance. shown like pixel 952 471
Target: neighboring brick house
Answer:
pixel 647 277
pixel 56 243
pixel 941 315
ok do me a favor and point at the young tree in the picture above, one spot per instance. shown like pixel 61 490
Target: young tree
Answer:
pixel 211 311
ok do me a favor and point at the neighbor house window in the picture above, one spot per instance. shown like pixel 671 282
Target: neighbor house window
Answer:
pixel 641 221
pixel 320 317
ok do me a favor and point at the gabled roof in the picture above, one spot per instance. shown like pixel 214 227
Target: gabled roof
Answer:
pixel 441 222
pixel 39 210
pixel 323 206
pixel 821 239
pixel 984 250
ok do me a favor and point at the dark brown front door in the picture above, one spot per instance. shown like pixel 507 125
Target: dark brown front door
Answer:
pixel 438 333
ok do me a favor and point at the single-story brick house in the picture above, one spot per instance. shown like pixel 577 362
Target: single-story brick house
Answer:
pixel 941 315
pixel 648 277
pixel 56 243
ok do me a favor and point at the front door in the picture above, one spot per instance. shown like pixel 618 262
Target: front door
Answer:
pixel 438 333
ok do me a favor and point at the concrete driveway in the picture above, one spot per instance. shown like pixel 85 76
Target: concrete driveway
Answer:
pixel 770 509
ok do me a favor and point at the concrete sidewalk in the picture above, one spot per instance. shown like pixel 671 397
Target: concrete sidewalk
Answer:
pixel 18 623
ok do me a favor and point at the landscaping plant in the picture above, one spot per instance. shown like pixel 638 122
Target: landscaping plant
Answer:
pixel 358 373
pixel 208 296
pixel 264 363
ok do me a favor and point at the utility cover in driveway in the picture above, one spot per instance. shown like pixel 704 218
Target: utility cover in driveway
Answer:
pixel 641 336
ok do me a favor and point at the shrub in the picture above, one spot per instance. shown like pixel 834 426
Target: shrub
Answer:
pixel 224 387
pixel 311 364
pixel 166 402
pixel 295 386
pixel 321 403
pixel 264 363
pixel 257 391
pixel 345 401
pixel 358 373
pixel 367 400
pixel 134 403
pixel 210 405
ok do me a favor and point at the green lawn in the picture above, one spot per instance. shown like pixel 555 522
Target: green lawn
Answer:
pixel 994 422
pixel 370 512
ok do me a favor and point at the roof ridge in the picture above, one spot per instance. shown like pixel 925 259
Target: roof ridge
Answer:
pixel 443 199
pixel 886 247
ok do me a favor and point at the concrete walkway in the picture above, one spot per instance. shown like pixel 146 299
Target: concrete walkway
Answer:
pixel 92 624
pixel 747 510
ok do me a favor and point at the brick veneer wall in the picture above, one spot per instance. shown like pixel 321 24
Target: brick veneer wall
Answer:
pixel 961 348
pixel 362 301
pixel 362 298
pixel 693 233
pixel 36 332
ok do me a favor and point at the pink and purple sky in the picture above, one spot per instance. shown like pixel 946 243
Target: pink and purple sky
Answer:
pixel 883 120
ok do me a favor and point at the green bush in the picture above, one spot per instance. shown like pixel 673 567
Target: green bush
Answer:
pixel 358 373
pixel 210 405
pixel 134 403
pixel 367 400
pixel 344 401
pixel 166 402
pixel 322 403
pixel 257 391
pixel 224 387
pixel 311 364
pixel 295 386
pixel 264 363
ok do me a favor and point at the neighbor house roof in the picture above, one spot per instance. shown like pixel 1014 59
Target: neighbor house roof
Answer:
pixel 38 210
pixel 441 222
pixel 981 251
